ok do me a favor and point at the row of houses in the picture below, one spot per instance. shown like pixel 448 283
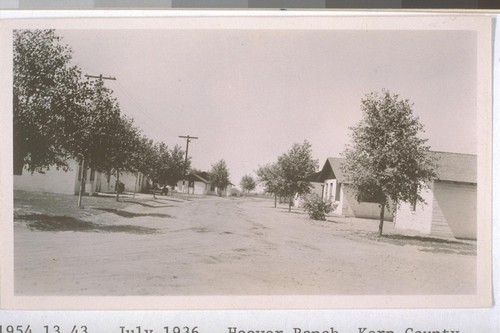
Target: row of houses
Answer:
pixel 450 200
pixel 59 181
pixel 449 210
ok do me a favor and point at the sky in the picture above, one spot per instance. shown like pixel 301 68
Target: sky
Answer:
pixel 249 95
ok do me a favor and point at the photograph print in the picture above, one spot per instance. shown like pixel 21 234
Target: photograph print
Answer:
pixel 343 158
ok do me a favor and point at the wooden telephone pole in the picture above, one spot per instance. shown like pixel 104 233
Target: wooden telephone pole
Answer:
pixel 188 140
pixel 100 77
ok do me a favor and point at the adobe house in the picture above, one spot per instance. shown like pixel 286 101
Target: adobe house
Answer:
pixel 199 183
pixel 105 182
pixel 450 200
pixel 68 182
pixel 337 188
pixel 52 181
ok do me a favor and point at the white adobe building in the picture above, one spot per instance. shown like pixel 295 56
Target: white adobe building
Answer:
pixel 199 183
pixel 68 182
pixel 337 188
pixel 450 200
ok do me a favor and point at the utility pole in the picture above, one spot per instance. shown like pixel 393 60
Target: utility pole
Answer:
pixel 188 140
pixel 100 77
pixel 83 180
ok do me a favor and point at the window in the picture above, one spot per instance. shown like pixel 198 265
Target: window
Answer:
pixel 337 192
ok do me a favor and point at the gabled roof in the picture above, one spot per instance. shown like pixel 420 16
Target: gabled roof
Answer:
pixel 314 177
pixel 202 177
pixel 450 167
pixel 332 169
pixel 199 176
pixel 456 167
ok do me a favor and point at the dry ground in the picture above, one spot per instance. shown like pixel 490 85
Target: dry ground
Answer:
pixel 221 246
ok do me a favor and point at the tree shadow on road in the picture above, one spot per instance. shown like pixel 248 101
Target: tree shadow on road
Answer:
pixel 147 204
pixel 427 244
pixel 126 214
pixel 42 222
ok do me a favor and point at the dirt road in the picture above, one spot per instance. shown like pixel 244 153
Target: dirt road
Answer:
pixel 221 246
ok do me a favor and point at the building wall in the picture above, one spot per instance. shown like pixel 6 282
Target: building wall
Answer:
pixel 351 207
pixel 198 188
pixel 450 211
pixel 52 181
pixel 458 204
pixel 224 193
pixel 332 191
pixel 419 219
pixel 317 189
pixel 130 180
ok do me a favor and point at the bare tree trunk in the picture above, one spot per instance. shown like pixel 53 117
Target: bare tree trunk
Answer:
pixel 290 201
pixel 135 185
pixel 381 224
pixel 117 187
pixel 82 184
pixel 275 200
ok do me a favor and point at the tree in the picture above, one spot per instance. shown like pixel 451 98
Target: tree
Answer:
pixel 219 176
pixel 176 165
pixel 270 177
pixel 146 159
pixel 123 142
pixel 295 166
pixel 47 94
pixel 95 141
pixel 160 164
pixel 247 183
pixel 387 161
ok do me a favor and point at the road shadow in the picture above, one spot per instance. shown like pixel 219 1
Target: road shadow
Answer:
pixel 126 214
pixel 427 244
pixel 42 222
pixel 148 205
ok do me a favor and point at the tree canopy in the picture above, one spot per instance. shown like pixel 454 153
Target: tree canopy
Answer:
pixel 387 159
pixel 48 94
pixel 219 175
pixel 295 166
pixel 247 183
pixel 287 176
pixel 60 115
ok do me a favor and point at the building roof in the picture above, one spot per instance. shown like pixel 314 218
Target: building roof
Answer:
pixel 202 177
pixel 332 169
pixel 450 167
pixel 199 176
pixel 314 177
pixel 456 167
